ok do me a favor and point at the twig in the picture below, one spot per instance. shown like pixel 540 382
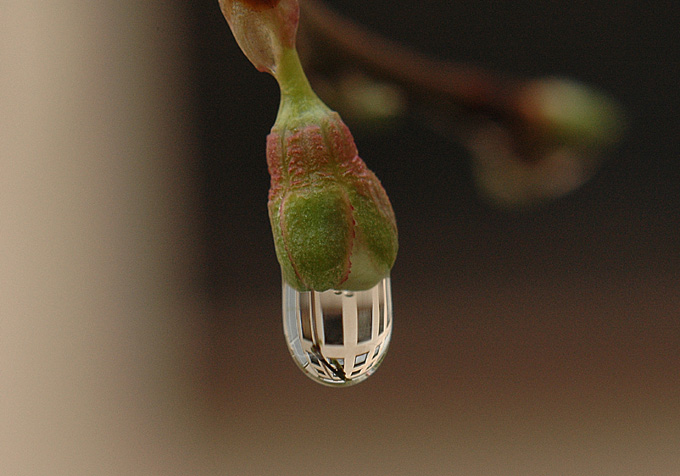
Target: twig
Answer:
pixel 472 88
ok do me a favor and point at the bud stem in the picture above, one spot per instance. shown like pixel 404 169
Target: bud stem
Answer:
pixel 298 100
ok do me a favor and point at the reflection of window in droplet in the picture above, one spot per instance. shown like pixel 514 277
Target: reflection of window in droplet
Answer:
pixel 332 327
pixel 381 307
pixel 388 312
pixel 364 307
pixel 364 315
pixel 334 335
pixel 306 315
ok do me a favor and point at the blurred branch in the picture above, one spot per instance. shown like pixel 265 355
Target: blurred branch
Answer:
pixel 424 78
pixel 530 139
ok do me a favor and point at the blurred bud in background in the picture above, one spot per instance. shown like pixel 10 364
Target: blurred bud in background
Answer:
pixel 370 104
pixel 556 142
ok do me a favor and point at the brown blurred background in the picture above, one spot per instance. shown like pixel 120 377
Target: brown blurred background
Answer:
pixel 140 328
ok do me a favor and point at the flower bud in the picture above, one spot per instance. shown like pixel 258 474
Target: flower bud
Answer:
pixel 263 28
pixel 333 224
pixel 556 146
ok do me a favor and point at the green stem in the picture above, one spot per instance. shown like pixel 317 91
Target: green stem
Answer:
pixel 298 100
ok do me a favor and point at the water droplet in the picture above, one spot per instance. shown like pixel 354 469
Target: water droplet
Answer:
pixel 338 338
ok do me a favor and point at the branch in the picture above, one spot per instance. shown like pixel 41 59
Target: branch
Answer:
pixel 530 139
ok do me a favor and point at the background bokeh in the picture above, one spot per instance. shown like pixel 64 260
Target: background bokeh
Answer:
pixel 140 329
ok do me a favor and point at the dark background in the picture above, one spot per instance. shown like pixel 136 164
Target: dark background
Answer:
pixel 544 342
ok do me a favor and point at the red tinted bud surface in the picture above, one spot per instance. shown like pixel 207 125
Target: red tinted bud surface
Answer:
pixel 259 5
pixel 332 221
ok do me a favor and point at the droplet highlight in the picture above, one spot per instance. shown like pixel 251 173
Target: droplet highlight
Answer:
pixel 338 338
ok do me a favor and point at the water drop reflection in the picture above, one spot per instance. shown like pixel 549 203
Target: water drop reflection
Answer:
pixel 338 337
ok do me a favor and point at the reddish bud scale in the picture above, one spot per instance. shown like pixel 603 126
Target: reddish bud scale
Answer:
pixel 323 198
pixel 274 163
pixel 312 153
pixel 308 157
pixel 263 28
pixel 259 5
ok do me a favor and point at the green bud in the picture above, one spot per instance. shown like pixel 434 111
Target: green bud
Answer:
pixel 557 145
pixel 333 224
pixel 571 114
